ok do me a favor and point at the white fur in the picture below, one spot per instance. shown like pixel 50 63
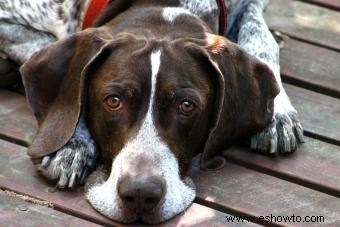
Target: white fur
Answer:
pixel 199 7
pixel 285 131
pixel 169 14
pixel 145 145
pixel 262 44
pixel 43 15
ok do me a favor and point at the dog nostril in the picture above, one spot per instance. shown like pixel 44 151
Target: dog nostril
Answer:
pixel 151 200
pixel 150 203
pixel 141 195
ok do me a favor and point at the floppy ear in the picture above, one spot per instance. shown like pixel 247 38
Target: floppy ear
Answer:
pixel 244 103
pixel 54 85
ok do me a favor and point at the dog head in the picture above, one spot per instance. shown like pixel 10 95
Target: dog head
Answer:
pixel 150 105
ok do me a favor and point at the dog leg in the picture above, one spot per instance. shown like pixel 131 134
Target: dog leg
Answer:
pixel 231 4
pixel 72 163
pixel 19 43
pixel 285 131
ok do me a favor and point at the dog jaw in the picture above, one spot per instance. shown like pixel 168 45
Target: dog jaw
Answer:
pixel 179 193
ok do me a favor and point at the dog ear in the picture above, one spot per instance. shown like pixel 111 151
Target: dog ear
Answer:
pixel 55 80
pixel 244 99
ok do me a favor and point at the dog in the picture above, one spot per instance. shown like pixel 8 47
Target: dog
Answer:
pixel 146 89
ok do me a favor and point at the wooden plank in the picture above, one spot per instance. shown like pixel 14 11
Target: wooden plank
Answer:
pixel 17 174
pixel 318 113
pixel 332 4
pixel 243 191
pixel 15 212
pixel 305 22
pixel 311 67
pixel 315 164
pixel 17 123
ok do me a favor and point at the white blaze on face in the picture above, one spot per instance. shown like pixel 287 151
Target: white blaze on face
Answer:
pixel 146 145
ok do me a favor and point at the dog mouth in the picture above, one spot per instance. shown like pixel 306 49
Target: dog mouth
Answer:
pixel 102 195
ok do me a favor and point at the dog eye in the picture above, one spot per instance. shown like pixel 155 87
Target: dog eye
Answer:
pixel 113 102
pixel 186 108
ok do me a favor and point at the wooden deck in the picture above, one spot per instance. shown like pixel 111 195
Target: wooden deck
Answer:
pixel 304 184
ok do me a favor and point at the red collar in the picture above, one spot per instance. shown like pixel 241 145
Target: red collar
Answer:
pixel 97 6
pixel 93 11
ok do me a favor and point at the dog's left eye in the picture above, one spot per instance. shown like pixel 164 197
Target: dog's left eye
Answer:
pixel 186 107
pixel 113 102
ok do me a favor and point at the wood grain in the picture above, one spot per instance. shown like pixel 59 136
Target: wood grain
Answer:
pixel 315 165
pixel 318 113
pixel 18 174
pixel 244 191
pixel 17 212
pixel 311 67
pixel 17 123
pixel 305 22
pixel 332 4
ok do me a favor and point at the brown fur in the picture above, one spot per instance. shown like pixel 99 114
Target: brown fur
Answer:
pixel 235 90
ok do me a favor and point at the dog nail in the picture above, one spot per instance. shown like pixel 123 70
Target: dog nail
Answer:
pixel 299 133
pixel 272 146
pixel 72 180
pixel 253 143
pixel 45 161
pixel 62 180
pixel 286 141
pixel 293 143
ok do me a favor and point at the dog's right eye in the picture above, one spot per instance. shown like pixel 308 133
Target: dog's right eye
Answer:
pixel 186 107
pixel 113 102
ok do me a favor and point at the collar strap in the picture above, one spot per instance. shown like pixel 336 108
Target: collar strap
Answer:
pixel 93 11
pixel 222 26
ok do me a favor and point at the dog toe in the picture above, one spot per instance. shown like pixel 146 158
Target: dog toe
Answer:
pixel 265 141
pixel 45 161
pixel 70 165
pixel 290 132
pixel 282 135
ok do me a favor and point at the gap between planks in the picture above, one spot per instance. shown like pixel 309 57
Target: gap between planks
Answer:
pixel 284 176
pixel 304 21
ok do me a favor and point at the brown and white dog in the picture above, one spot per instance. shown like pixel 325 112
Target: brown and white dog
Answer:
pixel 150 87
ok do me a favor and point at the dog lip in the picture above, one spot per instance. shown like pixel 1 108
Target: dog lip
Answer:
pixel 144 214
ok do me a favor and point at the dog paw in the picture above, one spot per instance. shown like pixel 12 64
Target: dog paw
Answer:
pixel 70 165
pixel 282 135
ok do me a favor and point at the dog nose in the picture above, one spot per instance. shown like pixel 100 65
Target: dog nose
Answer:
pixel 141 195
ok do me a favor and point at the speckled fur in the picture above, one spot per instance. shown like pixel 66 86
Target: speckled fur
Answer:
pixel 285 132
pixel 72 163
pixel 37 21
pixel 59 18
pixel 20 42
